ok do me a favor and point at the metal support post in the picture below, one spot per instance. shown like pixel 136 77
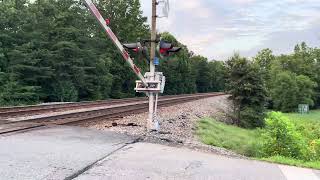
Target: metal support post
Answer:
pixel 152 122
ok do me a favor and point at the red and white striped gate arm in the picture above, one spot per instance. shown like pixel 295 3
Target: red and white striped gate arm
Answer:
pixel 115 40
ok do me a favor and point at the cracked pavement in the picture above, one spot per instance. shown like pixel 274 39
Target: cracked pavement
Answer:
pixel 64 152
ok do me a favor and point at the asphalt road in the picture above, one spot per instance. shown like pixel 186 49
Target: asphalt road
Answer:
pixel 82 154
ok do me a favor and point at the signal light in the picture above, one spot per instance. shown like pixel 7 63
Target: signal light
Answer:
pixel 166 49
pixel 133 46
pixel 138 49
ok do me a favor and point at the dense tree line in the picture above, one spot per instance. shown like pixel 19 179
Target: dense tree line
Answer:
pixel 55 51
pixel 275 82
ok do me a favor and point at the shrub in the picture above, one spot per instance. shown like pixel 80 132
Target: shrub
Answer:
pixel 312 152
pixel 280 137
pixel 252 117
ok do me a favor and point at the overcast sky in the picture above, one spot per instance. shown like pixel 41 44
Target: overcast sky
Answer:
pixel 217 28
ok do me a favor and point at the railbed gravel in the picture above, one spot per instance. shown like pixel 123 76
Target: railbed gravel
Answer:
pixel 177 124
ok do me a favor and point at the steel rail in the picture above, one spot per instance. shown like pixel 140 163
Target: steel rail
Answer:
pixel 9 112
pixel 119 110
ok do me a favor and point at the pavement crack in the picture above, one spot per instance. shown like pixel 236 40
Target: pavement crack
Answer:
pixel 88 167
pixel 193 165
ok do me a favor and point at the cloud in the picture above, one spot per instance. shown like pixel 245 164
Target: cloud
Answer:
pixel 218 28
pixel 284 42
pixel 243 2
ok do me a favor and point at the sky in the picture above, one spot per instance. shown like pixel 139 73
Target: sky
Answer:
pixel 218 28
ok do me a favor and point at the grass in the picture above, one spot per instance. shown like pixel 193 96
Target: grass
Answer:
pixel 216 133
pixel 312 116
pixel 308 124
pixel 242 141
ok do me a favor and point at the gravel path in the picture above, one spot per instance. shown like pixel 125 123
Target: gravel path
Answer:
pixel 177 124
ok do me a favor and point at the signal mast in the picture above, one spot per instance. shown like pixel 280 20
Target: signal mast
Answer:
pixel 152 83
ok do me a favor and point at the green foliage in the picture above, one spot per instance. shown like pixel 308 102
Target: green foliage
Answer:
pixel 65 91
pixel 281 138
pixel 186 73
pixel 248 93
pixel 58 52
pixel 284 91
pixel 287 138
pixel 293 141
pixel 301 69
pixel 202 73
pixel 306 90
pixel 289 90
pixel 12 93
pixel 308 125
pixel 265 59
pixel 48 45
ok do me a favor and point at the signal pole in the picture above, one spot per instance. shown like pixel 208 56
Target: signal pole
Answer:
pixel 152 83
pixel 151 120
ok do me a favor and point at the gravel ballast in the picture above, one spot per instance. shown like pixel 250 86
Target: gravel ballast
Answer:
pixel 177 124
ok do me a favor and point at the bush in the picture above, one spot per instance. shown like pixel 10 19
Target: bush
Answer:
pixel 280 137
pixel 312 152
pixel 252 117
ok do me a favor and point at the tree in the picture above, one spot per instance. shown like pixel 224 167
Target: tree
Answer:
pixel 13 93
pixel 306 90
pixel 129 24
pixel 294 78
pixel 265 59
pixel 217 72
pixel 203 81
pixel 51 45
pixel 178 69
pixel 248 93
pixel 284 91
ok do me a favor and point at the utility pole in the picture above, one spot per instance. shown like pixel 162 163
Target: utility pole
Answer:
pixel 151 120
pixel 152 83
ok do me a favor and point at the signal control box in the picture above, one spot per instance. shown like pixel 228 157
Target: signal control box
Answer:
pixel 155 84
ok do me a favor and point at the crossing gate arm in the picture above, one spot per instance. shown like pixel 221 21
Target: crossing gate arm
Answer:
pixel 95 12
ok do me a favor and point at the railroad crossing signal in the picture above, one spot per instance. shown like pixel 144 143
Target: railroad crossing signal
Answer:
pixel 152 83
pixel 138 49
pixel 166 49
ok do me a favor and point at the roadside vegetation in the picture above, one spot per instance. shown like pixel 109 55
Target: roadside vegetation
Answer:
pixel 290 138
pixel 260 89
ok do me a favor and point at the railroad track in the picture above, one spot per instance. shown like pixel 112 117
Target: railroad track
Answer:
pixel 12 112
pixel 9 112
pixel 108 110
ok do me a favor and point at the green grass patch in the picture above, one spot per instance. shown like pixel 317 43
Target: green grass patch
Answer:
pixel 219 134
pixel 246 141
pixel 308 124
pixel 312 116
